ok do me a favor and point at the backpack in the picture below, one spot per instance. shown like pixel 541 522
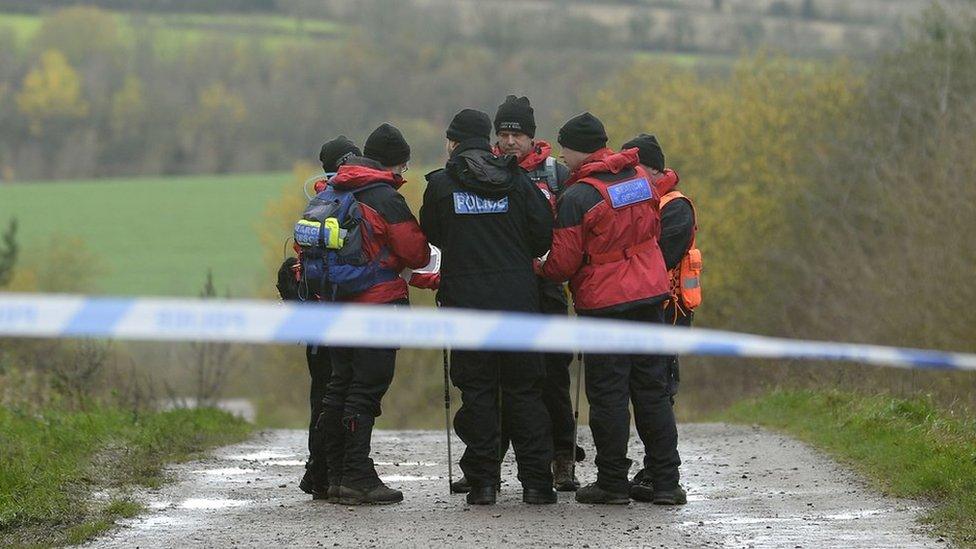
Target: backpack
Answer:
pixel 330 235
pixel 545 178
pixel 686 291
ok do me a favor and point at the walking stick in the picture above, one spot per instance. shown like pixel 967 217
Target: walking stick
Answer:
pixel 447 421
pixel 579 382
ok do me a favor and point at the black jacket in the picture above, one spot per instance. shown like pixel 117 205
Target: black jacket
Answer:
pixel 677 229
pixel 490 222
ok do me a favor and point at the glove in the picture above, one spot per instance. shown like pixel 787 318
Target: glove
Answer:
pixel 288 279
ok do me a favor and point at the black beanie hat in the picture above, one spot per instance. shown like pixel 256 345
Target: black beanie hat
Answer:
pixel 515 115
pixel 387 146
pixel 648 149
pixel 583 133
pixel 469 124
pixel 335 152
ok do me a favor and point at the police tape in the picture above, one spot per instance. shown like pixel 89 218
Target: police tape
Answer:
pixel 249 321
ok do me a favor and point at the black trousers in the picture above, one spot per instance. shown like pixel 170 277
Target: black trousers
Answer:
pixel 555 390
pixel 519 377
pixel 612 383
pixel 555 395
pixel 673 317
pixel 676 318
pixel 360 378
pixel 320 370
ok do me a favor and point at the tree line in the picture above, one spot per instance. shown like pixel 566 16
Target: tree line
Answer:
pixel 90 97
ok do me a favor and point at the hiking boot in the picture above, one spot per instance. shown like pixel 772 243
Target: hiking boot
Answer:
pixel 638 478
pixel 592 493
pixel 332 494
pixel 380 494
pixel 563 475
pixel 482 495
pixel 311 486
pixel 676 496
pixel 333 446
pixel 462 486
pixel 538 496
pixel 315 481
pixel 642 491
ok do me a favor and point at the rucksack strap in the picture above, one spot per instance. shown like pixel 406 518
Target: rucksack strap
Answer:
pixel 678 195
pixel 547 171
pixel 552 176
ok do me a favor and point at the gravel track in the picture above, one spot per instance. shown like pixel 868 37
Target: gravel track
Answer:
pixel 747 487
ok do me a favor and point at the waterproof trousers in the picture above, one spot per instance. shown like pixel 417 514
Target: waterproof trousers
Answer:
pixel 518 379
pixel 613 382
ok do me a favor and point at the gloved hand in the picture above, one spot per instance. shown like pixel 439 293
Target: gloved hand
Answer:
pixel 288 279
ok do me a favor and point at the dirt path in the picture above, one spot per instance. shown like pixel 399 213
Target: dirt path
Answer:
pixel 747 488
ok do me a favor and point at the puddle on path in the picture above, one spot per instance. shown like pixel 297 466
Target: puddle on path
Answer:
pixel 208 504
pixel 405 478
pixel 226 471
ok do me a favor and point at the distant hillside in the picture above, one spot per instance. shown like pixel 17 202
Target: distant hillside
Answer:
pixel 804 27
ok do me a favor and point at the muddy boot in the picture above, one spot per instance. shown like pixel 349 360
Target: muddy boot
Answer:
pixel 460 486
pixel 593 493
pixel 360 485
pixel 641 489
pixel 638 478
pixel 563 477
pixel 482 495
pixel 677 496
pixel 334 443
pixel 536 496
pixel 315 480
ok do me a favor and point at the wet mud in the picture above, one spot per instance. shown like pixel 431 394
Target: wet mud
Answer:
pixel 747 488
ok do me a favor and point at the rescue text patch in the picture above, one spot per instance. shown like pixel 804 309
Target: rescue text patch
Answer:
pixel 467 203
pixel 629 192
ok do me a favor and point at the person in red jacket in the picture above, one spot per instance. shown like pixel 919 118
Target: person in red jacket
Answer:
pixel 315 481
pixel 606 244
pixel 361 376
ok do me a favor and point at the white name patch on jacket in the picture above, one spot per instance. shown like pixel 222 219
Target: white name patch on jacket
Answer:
pixel 468 203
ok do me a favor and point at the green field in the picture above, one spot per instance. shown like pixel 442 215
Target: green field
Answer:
pixel 171 31
pixel 155 236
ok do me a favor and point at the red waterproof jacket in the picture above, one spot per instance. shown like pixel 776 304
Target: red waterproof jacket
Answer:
pixel 605 240
pixel 534 162
pixel 394 228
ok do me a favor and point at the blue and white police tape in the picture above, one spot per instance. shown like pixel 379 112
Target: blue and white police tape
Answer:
pixel 248 321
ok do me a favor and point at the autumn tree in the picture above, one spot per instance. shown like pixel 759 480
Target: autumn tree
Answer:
pixel 51 93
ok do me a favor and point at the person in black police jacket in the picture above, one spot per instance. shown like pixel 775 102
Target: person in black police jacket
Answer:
pixel 490 222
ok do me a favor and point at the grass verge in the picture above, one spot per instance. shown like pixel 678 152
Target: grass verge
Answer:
pixel 907 447
pixel 66 476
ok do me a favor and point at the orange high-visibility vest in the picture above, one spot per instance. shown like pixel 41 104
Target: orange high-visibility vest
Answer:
pixel 686 276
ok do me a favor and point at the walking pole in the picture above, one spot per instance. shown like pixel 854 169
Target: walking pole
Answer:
pixel 579 382
pixel 447 421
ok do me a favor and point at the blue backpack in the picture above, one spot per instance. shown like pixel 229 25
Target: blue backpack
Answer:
pixel 334 262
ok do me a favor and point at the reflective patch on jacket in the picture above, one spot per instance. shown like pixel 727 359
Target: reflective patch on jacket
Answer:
pixel 629 192
pixel 468 203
